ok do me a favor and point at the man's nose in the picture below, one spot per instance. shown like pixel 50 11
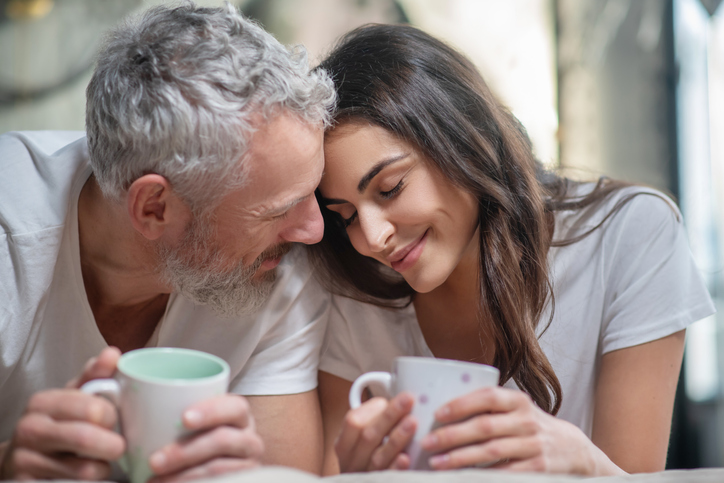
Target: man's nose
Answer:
pixel 305 224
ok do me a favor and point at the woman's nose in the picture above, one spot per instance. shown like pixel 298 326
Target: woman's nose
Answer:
pixel 377 230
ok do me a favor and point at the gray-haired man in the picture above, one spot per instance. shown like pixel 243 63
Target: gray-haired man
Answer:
pixel 165 227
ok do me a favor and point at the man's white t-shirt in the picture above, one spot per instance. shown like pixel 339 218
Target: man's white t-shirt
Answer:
pixel 47 329
pixel 631 281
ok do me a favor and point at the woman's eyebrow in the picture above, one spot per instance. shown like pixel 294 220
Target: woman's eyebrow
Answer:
pixel 331 201
pixel 365 181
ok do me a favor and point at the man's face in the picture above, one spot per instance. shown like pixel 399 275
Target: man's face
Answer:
pixel 227 259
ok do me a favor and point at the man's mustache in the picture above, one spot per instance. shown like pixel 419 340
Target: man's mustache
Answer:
pixel 275 251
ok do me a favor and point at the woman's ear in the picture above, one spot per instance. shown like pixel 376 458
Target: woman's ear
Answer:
pixel 154 208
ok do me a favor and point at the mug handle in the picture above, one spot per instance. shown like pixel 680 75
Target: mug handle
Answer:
pixel 363 381
pixel 108 388
pixel 111 390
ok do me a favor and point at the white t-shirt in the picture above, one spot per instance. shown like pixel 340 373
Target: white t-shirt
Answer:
pixel 630 282
pixel 47 329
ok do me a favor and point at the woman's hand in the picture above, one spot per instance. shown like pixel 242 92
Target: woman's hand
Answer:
pixel 503 428
pixel 374 435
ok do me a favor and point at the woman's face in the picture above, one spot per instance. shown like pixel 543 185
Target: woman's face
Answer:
pixel 398 209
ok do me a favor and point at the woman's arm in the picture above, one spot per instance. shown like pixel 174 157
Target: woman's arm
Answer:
pixel 633 405
pixel 634 402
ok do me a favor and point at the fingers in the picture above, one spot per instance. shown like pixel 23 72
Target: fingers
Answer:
pixel 402 462
pixel 365 428
pixel 72 405
pixel 354 422
pixel 225 442
pixel 386 455
pixel 102 366
pixel 506 452
pixel 229 410
pixel 42 434
pixel 484 400
pixel 478 429
pixel 215 467
pixel 29 464
pixel 64 434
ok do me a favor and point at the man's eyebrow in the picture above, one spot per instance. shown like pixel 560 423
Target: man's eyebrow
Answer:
pixel 365 181
pixel 279 210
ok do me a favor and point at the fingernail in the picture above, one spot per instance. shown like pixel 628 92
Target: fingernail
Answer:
pixel 193 417
pixel 408 426
pixel 439 461
pixel 429 441
pixel 443 412
pixel 157 461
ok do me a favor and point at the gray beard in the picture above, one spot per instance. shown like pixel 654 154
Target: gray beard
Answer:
pixel 198 270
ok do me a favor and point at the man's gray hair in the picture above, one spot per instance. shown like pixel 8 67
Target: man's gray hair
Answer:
pixel 178 91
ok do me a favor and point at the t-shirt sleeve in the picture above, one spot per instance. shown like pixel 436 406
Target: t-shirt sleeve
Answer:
pixel 653 287
pixel 339 350
pixel 287 357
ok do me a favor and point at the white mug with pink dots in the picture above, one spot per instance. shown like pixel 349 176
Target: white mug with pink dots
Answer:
pixel 433 382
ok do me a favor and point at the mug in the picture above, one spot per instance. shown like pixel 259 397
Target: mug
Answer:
pixel 152 388
pixel 433 383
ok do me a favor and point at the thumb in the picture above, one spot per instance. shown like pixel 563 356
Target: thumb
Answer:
pixel 102 366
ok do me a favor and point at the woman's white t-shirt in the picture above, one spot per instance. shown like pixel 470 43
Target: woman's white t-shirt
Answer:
pixel 629 282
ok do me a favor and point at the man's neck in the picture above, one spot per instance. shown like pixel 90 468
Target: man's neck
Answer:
pixel 123 286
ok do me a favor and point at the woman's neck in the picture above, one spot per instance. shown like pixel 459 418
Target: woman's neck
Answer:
pixel 449 316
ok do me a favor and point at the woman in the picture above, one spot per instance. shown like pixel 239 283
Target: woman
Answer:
pixel 439 218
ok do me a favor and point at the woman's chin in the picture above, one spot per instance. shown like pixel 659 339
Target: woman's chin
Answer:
pixel 422 285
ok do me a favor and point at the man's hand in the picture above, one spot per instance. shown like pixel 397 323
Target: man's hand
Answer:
pixel 65 433
pixel 225 440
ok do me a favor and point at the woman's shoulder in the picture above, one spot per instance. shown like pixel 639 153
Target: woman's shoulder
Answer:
pixel 351 309
pixel 629 208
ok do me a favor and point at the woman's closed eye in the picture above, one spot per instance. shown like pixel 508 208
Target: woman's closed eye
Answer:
pixel 390 193
pixel 346 222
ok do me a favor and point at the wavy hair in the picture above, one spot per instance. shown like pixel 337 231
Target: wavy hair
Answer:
pixel 431 96
pixel 178 92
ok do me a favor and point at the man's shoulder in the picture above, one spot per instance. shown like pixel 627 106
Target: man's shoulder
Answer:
pixel 40 169
pixel 46 142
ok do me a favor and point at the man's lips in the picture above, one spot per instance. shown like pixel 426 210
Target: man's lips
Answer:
pixel 270 263
pixel 406 257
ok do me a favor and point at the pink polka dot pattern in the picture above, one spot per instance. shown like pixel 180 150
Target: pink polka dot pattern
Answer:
pixel 423 398
pixel 466 377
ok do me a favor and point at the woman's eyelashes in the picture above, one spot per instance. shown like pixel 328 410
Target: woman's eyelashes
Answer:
pixel 389 194
pixel 348 221
pixel 384 194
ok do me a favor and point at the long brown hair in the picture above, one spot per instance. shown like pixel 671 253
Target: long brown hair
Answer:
pixel 431 96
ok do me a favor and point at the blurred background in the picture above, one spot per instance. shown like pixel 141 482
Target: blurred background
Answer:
pixel 633 89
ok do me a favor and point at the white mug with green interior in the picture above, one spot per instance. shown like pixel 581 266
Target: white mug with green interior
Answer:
pixel 152 388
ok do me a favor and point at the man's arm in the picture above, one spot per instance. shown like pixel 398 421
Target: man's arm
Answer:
pixel 291 428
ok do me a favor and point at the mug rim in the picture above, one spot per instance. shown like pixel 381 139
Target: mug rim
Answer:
pixel 135 353
pixel 446 362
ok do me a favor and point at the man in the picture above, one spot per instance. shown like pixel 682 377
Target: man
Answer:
pixel 167 226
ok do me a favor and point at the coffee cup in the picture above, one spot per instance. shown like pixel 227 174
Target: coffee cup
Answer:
pixel 433 383
pixel 152 388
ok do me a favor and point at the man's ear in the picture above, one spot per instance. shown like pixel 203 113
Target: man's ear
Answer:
pixel 154 208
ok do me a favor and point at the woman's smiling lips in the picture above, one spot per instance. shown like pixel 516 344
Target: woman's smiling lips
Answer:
pixel 409 255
